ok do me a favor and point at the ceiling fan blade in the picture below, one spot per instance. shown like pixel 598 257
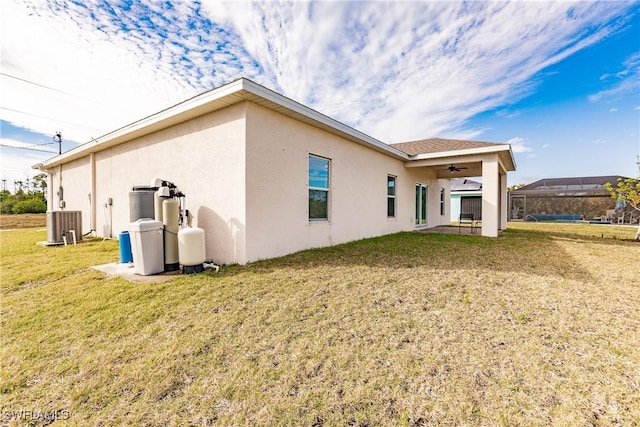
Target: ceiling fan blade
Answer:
pixel 453 168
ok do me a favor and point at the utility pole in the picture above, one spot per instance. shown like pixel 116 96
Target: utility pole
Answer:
pixel 58 138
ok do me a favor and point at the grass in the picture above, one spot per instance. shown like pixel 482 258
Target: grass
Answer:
pixel 538 327
pixel 8 222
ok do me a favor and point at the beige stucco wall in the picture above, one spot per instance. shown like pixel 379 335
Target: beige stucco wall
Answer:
pixel 244 172
pixel 76 188
pixel 277 188
pixel 204 157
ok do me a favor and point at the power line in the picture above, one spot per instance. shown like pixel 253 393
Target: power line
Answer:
pixel 40 85
pixel 36 145
pixel 26 148
pixel 49 118
pixel 61 91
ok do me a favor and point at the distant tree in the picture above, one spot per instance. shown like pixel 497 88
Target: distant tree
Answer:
pixel 40 183
pixel 8 200
pixel 4 195
pixel 628 191
pixel 29 196
pixel 515 187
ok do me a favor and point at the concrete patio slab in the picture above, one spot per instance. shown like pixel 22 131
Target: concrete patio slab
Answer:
pixel 126 272
pixel 452 229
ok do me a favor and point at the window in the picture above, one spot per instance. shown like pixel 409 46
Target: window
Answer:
pixel 318 188
pixel 442 201
pixel 391 196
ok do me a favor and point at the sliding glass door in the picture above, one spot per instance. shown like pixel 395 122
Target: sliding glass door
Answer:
pixel 421 204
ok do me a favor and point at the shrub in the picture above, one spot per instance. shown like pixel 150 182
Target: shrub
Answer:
pixel 6 206
pixel 29 206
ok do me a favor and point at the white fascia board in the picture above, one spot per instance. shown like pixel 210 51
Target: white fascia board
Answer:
pixel 513 159
pixel 456 153
pixel 197 106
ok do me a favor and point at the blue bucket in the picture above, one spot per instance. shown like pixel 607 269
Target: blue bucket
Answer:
pixel 125 247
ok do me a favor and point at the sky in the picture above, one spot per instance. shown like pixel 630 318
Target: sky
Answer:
pixel 559 81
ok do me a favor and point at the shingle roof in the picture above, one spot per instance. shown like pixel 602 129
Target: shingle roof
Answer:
pixel 438 145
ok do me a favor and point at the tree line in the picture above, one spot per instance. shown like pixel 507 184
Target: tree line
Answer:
pixel 29 196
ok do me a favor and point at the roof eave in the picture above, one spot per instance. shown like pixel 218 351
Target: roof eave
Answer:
pixel 190 108
pixel 504 150
pixel 236 91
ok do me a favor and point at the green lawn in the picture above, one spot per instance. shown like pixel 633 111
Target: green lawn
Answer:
pixel 537 327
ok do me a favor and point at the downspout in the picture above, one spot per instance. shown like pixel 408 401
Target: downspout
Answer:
pixel 60 188
pixel 50 181
pixel 94 204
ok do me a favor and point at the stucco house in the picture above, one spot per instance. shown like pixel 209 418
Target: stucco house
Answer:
pixel 265 176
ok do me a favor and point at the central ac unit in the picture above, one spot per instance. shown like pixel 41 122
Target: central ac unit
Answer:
pixel 60 223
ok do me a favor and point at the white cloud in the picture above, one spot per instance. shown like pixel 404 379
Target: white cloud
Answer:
pixel 408 70
pixel 626 81
pixel 17 157
pixel 518 145
pixel 507 114
pixel 396 70
pixel 546 145
pixel 613 110
pixel 104 77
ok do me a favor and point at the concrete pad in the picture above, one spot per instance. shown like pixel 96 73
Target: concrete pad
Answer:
pixel 126 272
pixel 452 229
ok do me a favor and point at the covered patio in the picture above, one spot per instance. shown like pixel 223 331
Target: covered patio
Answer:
pixel 447 158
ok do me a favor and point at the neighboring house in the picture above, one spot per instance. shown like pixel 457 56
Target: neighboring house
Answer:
pixel 567 198
pixel 466 197
pixel 265 176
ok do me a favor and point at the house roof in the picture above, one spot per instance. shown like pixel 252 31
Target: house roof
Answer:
pixel 242 90
pixel 442 151
pixel 224 96
pixel 440 145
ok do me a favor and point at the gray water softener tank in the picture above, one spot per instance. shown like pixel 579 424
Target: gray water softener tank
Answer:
pixel 141 203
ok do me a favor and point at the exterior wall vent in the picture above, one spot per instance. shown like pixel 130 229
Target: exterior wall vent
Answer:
pixel 60 223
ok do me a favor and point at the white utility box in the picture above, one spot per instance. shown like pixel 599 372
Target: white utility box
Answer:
pixel 147 246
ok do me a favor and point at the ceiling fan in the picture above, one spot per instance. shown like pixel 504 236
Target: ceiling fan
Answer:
pixel 453 168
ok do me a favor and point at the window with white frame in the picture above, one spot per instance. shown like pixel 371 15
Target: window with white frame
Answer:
pixel 391 196
pixel 318 188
